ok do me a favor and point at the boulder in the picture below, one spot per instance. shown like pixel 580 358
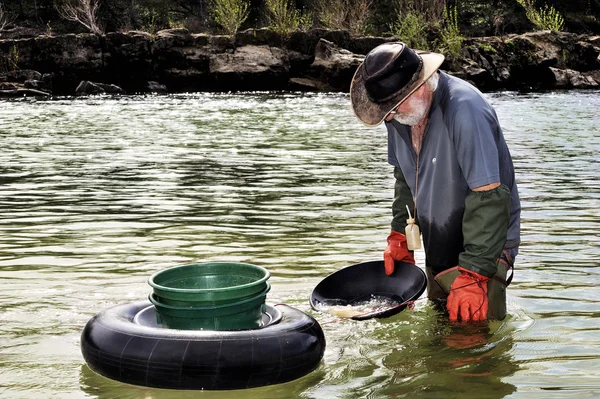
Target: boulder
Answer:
pixel 362 45
pixel 334 66
pixel 263 36
pixel 38 85
pixel 91 88
pixel 250 68
pixel 155 87
pixel 22 75
pixel 9 86
pixel 568 78
pixel 88 88
pixel 169 38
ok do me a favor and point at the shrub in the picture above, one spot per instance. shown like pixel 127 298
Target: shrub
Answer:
pixel 84 12
pixel 411 29
pixel 450 38
pixel 545 18
pixel 230 14
pixel 344 14
pixel 284 18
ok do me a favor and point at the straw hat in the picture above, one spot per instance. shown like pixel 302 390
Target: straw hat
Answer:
pixel 389 74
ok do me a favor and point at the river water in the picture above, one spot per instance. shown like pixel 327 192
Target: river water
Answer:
pixel 96 194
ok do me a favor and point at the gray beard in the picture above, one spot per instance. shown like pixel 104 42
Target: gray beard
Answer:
pixel 419 110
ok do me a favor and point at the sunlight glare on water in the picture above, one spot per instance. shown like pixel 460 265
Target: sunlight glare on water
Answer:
pixel 99 193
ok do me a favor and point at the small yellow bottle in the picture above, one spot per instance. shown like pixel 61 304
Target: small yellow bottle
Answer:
pixel 413 233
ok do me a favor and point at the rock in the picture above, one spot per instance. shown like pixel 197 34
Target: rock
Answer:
pixel 299 62
pixel 91 88
pixel 250 68
pixel 23 93
pixel 69 53
pixel 38 85
pixel 304 42
pixel 583 56
pixel 306 84
pixel 568 78
pixel 334 66
pixel 155 87
pixel 260 59
pixel 9 86
pixel 170 38
pixel 22 75
pixel 560 76
pixel 88 88
pixel 362 45
pixel 249 59
pixel 220 43
pixel 262 36
pixel 110 88
pixel 474 74
pixel 593 75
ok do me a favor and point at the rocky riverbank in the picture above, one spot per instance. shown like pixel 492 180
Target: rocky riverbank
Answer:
pixel 318 60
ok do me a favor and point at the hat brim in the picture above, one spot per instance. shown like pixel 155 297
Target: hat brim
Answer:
pixel 371 113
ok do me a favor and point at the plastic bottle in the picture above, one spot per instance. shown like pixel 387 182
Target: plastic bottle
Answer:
pixel 413 233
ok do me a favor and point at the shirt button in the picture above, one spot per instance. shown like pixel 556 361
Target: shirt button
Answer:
pixel 433 161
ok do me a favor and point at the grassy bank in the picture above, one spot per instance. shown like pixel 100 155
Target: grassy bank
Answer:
pixel 416 21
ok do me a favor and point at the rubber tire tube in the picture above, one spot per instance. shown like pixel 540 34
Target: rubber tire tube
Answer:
pixel 116 347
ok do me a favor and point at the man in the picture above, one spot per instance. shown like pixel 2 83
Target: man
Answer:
pixel 453 172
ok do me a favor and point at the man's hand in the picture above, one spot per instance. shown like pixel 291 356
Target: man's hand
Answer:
pixel 396 250
pixel 468 297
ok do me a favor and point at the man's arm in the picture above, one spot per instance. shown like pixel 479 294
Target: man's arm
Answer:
pixel 487 206
pixel 402 198
pixel 485 225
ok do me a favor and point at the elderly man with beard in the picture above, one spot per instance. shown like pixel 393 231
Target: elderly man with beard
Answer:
pixel 453 171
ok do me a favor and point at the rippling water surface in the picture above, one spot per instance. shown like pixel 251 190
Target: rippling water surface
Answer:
pixel 96 194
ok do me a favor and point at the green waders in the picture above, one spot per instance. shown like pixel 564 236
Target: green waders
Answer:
pixel 438 286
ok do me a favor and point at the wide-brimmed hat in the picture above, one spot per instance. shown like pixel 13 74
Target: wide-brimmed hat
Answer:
pixel 389 74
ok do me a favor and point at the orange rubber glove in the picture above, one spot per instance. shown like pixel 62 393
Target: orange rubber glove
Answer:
pixel 468 297
pixel 396 250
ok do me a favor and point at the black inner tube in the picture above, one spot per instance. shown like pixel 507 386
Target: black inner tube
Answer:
pixel 116 347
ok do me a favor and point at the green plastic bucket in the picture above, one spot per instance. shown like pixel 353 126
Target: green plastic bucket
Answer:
pixel 208 284
pixel 245 314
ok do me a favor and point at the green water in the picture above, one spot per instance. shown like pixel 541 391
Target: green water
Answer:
pixel 97 194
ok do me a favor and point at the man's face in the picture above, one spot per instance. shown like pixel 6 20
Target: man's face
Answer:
pixel 412 110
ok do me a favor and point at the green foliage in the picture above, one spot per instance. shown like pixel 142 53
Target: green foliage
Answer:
pixel 344 14
pixel 411 29
pixel 450 38
pixel 14 58
pixel 283 16
pixel 229 14
pixel 487 47
pixel 149 20
pixel 545 18
pixel 331 14
pixel 550 19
